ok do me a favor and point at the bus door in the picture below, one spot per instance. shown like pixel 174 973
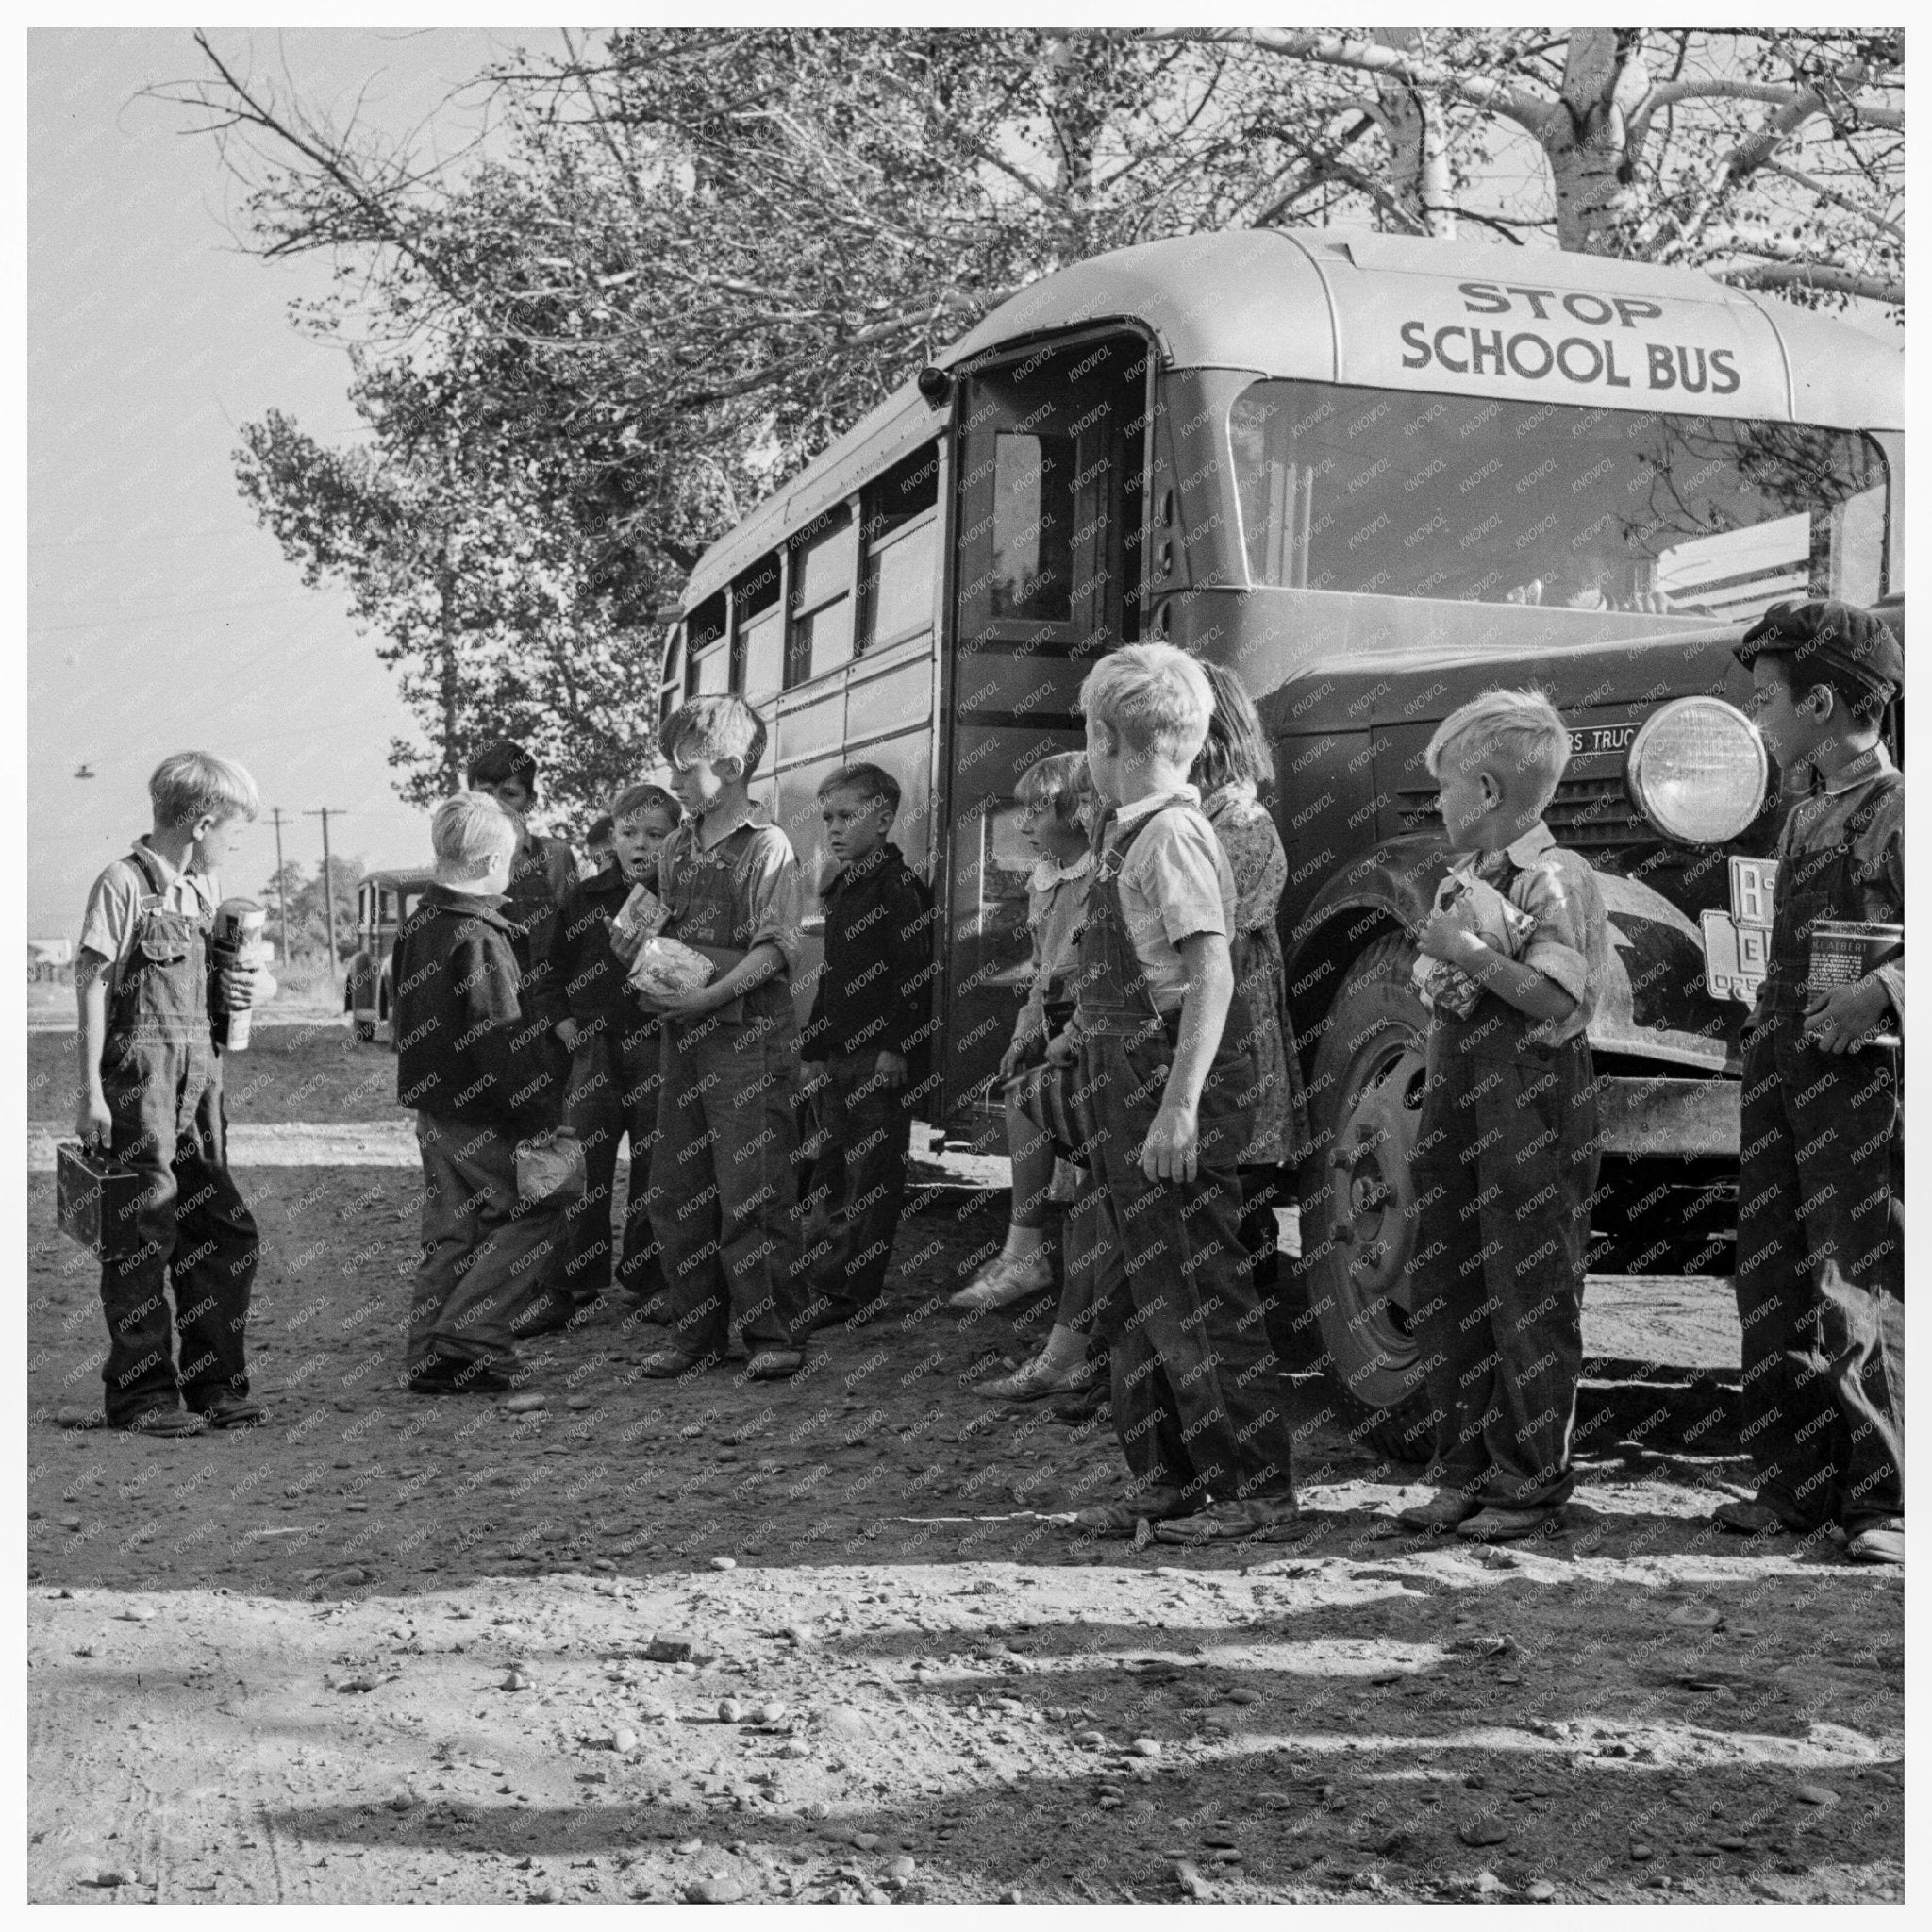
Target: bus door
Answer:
pixel 1048 498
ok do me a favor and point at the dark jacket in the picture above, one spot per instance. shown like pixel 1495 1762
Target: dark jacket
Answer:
pixel 466 1046
pixel 874 989
pixel 540 873
pixel 589 975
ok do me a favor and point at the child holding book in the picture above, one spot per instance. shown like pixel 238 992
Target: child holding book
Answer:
pixel 1822 1217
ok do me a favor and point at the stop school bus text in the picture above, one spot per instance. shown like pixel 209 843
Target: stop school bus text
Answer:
pixel 1530 356
pixel 1477 352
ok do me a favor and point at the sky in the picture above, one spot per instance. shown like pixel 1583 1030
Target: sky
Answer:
pixel 160 616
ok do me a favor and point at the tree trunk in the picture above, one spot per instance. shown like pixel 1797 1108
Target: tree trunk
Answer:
pixel 1587 138
pixel 1413 126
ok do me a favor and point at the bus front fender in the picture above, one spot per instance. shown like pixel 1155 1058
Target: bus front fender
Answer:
pixel 1389 890
pixel 1654 1003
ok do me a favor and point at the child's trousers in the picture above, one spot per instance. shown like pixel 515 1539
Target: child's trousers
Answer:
pixel 613 1096
pixel 485 1254
pixel 1821 1277
pixel 193 1232
pixel 1504 1171
pixel 724 1184
pixel 858 1183
pixel 1196 1399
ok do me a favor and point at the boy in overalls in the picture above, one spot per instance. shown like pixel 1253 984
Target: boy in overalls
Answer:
pixel 1820 1223
pixel 151 1093
pixel 1158 1036
pixel 724 1184
pixel 1505 1157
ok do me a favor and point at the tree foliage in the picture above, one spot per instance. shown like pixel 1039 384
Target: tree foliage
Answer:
pixel 683 260
pixel 307 909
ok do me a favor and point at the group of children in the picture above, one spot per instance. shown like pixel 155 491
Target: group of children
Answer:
pixel 1152 1088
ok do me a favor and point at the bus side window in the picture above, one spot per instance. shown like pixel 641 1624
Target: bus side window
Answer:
pixel 759 668
pixel 900 530
pixel 707 652
pixel 822 573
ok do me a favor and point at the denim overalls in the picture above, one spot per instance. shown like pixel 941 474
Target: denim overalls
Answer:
pixel 723 1187
pixel 1504 1169
pixel 1820 1228
pixel 162 1076
pixel 1195 1396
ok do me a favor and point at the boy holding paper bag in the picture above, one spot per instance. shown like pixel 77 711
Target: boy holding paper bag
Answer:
pixel 614 1050
pixel 724 1193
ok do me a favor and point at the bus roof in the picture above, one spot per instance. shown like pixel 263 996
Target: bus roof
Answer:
pixel 402 876
pixel 1340 306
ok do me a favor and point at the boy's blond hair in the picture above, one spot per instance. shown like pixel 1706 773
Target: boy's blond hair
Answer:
pixel 712 729
pixel 1060 782
pixel 1518 736
pixel 191 784
pixel 1154 696
pixel 469 833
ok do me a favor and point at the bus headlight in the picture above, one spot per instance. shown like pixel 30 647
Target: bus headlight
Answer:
pixel 1697 770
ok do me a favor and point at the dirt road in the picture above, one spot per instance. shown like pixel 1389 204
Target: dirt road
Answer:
pixel 826 1642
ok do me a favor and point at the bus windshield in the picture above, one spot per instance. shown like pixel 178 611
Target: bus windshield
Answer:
pixel 1480 501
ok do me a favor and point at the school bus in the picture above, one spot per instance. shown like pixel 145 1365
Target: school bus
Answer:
pixel 1373 476
pixel 383 901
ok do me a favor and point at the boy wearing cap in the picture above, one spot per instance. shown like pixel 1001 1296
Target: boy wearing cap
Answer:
pixel 1820 1223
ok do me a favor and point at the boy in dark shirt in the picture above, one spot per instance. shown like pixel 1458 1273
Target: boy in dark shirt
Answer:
pixel 476 1069
pixel 1821 1210
pixel 541 870
pixel 615 1052
pixel 864 1046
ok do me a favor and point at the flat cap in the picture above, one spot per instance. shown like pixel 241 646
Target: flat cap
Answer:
pixel 1828 632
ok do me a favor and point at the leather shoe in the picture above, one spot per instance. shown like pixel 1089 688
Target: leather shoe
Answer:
pixel 1878 1542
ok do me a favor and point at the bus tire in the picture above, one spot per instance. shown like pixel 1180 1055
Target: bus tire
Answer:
pixel 1365 1102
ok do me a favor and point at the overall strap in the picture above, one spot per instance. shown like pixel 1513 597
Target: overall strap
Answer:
pixel 150 869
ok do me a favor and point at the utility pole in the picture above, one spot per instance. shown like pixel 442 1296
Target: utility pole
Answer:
pixel 328 884
pixel 281 884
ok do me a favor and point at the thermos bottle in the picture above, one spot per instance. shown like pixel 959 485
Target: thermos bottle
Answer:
pixel 239 925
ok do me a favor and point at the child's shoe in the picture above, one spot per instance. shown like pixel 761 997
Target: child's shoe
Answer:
pixel 1878 1542
pixel 1004 1280
pixel 1445 1511
pixel 1036 1380
pixel 1494 1524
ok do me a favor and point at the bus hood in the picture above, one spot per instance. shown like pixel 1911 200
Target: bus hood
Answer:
pixel 1393 667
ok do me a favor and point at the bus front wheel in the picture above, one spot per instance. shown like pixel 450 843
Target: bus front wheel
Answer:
pixel 1359 1199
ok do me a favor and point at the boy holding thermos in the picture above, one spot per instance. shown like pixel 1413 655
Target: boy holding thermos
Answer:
pixel 154 1002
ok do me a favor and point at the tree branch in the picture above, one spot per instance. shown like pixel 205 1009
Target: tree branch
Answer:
pixel 1813 274
pixel 1366 56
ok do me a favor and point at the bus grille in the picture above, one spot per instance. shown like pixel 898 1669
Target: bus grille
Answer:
pixel 1586 813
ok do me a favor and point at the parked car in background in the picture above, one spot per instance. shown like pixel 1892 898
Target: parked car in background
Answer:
pixel 383 901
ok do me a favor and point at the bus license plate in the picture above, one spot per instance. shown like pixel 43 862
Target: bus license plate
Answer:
pixel 1736 944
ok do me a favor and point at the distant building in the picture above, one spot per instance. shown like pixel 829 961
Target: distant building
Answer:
pixel 48 958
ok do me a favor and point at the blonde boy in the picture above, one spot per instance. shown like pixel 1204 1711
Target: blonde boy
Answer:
pixel 1506 1156
pixel 1163 1072
pixel 724 1185
pixel 151 1093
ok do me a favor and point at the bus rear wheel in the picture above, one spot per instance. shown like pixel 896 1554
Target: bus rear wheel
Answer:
pixel 1359 1198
